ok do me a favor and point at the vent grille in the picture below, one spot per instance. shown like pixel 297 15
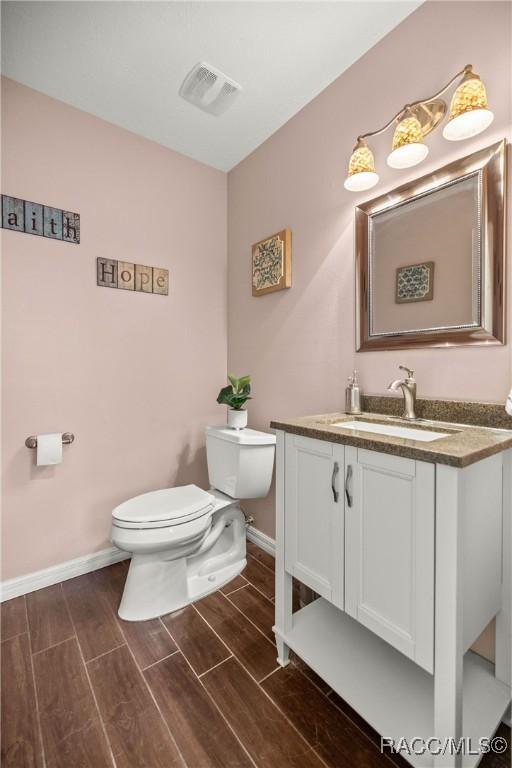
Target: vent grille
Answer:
pixel 209 89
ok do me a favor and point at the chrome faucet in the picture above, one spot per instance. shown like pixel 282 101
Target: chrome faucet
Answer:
pixel 408 387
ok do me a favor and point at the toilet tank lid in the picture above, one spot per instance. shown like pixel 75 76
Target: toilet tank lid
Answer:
pixel 242 436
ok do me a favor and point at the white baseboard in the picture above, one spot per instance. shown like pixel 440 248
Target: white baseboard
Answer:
pixel 263 541
pixel 57 573
pixel 22 585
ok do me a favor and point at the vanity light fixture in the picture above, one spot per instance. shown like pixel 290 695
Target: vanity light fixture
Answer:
pixel 469 111
pixel 469 115
pixel 361 168
pixel 408 147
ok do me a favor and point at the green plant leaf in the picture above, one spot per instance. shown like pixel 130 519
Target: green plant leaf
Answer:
pixel 240 398
pixel 238 406
pixel 225 395
pixel 236 393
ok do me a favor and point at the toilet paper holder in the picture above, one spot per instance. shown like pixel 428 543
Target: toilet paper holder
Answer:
pixel 67 439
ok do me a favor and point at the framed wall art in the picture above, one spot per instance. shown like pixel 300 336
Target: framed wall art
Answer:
pixel 272 263
pixel 415 283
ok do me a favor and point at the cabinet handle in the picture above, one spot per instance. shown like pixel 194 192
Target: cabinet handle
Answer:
pixel 348 478
pixel 335 470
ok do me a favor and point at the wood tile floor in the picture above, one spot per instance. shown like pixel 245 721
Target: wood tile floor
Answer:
pixel 199 688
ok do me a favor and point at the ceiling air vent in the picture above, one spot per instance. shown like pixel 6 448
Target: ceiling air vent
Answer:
pixel 209 89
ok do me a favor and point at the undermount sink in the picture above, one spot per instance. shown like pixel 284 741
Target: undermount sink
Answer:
pixel 392 430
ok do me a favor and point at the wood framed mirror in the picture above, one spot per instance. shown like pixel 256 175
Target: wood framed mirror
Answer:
pixel 430 258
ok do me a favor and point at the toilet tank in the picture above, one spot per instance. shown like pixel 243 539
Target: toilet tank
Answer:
pixel 240 461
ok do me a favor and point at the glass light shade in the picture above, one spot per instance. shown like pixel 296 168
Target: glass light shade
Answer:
pixel 407 155
pixel 361 181
pixel 408 148
pixel 361 169
pixel 468 124
pixel 469 111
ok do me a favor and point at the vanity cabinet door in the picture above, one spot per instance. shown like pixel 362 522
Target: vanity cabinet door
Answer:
pixel 314 511
pixel 389 578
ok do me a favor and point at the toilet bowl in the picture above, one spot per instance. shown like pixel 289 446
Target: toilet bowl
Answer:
pixel 186 542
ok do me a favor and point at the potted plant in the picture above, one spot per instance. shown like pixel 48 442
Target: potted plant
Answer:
pixel 235 396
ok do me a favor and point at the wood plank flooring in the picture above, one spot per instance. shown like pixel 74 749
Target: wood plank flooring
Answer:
pixel 196 639
pixel 95 623
pixel 48 618
pixel 14 617
pixel 135 728
pixel 21 745
pixel 70 724
pixel 199 688
pixel 202 734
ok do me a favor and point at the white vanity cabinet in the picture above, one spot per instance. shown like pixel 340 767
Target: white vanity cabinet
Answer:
pixel 411 560
pixel 389 553
pixel 314 548
pixel 360 532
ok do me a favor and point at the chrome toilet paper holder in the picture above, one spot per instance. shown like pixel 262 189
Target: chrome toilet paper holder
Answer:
pixel 67 439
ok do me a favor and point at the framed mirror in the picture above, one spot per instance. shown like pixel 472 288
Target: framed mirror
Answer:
pixel 430 258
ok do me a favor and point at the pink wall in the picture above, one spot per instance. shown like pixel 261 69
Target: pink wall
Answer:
pixel 133 375
pixel 299 344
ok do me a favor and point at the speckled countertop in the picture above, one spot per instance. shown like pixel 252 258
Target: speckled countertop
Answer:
pixel 463 445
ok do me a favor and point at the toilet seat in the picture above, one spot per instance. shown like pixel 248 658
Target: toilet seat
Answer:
pixel 162 539
pixel 166 508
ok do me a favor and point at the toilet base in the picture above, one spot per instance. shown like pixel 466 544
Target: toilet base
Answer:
pixel 157 585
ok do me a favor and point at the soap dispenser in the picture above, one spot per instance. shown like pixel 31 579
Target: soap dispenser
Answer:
pixel 353 395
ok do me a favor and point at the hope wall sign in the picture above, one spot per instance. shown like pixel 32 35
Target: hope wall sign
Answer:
pixel 37 219
pixel 111 273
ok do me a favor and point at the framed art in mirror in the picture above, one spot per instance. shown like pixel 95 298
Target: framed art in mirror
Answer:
pixel 430 258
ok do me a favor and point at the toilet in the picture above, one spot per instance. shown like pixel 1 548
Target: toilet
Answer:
pixel 186 542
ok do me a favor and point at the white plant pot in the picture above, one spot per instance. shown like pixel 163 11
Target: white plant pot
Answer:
pixel 237 419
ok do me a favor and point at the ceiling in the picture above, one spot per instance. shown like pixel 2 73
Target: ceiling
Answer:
pixel 125 61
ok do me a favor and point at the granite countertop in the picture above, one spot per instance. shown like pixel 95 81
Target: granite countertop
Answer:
pixel 464 445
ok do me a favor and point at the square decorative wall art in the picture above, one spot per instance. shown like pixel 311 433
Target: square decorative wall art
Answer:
pixel 272 263
pixel 415 283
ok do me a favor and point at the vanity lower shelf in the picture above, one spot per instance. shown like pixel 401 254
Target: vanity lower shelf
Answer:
pixel 394 695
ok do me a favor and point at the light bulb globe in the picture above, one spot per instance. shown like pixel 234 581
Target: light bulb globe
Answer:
pixel 358 182
pixel 468 124
pixel 407 155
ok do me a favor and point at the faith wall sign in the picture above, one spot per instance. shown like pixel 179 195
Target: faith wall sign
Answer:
pixel 38 219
